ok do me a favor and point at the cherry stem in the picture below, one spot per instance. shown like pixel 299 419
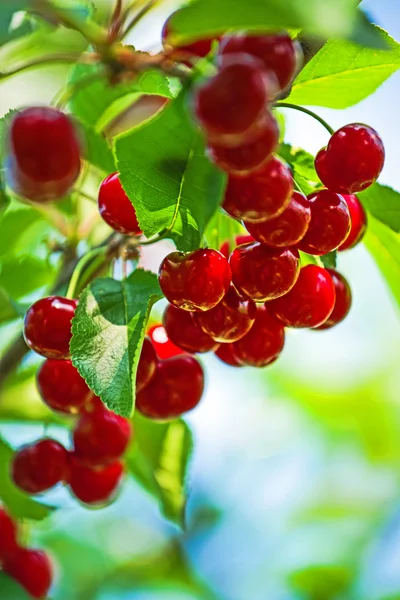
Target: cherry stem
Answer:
pixel 57 58
pixel 136 18
pixel 307 112
pixel 83 265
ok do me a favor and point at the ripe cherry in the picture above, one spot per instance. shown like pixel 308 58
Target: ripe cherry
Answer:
pixel 8 535
pixel 147 365
pixel 342 301
pixel 227 354
pixel 264 273
pixel 239 240
pixel 263 343
pixel 353 159
pixel 330 223
pixel 309 303
pixel 288 228
pixel 32 569
pixel 162 344
pixel 47 327
pixel 44 160
pixel 61 387
pixel 230 320
pixel 184 331
pixel 94 486
pixel 176 389
pixel 185 52
pixel 358 218
pixel 39 466
pixel 196 281
pixel 115 207
pixel 260 196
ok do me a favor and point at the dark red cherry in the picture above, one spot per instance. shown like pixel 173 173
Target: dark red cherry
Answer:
pixel 39 466
pixel 342 301
pixel 176 389
pixel 195 281
pixel 227 354
pixel 115 207
pixel 230 320
pixel 183 330
pixel 61 387
pixel 32 569
pixel 44 160
pixel 353 159
pixel 264 273
pixel 147 365
pixel 8 535
pixel 263 343
pixel 288 228
pixel 358 218
pixel 260 196
pixel 47 327
pixel 94 486
pixel 185 52
pixel 330 223
pixel 309 303
pixel 162 344
pixel 239 240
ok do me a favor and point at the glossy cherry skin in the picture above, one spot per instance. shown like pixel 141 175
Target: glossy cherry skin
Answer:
pixel 230 320
pixel 342 301
pixel 263 195
pixel 263 343
pixel 47 327
pixel 239 240
pixel 330 223
pixel 353 159
pixel 32 569
pixel 185 52
pixel 184 331
pixel 358 218
pixel 227 354
pixel 264 273
pixel 39 466
pixel 61 387
pixel 309 303
pixel 8 535
pixel 177 388
pixel 44 160
pixel 196 281
pixel 147 365
pixel 288 228
pixel 94 486
pixel 162 344
pixel 115 207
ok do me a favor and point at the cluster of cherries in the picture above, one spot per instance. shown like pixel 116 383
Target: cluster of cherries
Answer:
pixel 31 568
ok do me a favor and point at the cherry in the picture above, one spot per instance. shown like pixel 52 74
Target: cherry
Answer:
pixel 342 301
pixel 183 330
pixel 263 195
pixel 176 389
pixel 8 535
pixel 61 387
pixel 239 240
pixel 230 320
pixel 32 569
pixel 47 327
pixel 162 344
pixel 310 302
pixel 195 281
pixel 358 219
pixel 101 437
pixel 115 207
pixel 264 273
pixel 263 343
pixel 44 160
pixel 288 228
pixel 353 159
pixel 330 223
pixel 147 365
pixel 227 354
pixel 39 466
pixel 94 485
pixel 278 52
pixel 198 48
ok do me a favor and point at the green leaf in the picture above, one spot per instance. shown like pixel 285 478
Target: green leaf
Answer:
pixel 302 165
pixel 159 460
pixel 8 8
pixel 4 125
pixel 108 331
pixel 171 183
pixel 97 150
pixel 20 275
pixel 383 203
pixel 4 199
pixel 343 73
pixel 9 588
pixel 222 228
pixel 329 260
pixel 9 309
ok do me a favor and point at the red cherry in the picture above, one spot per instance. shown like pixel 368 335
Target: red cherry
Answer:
pixel 47 327
pixel 94 485
pixel 227 354
pixel 342 301
pixel 162 344
pixel 310 302
pixel 195 281
pixel 147 365
pixel 358 218
pixel 176 389
pixel 40 466
pixel 61 387
pixel 330 223
pixel 32 569
pixel 230 320
pixel 239 240
pixel 183 330
pixel 115 207
pixel 353 159
pixel 263 343
pixel 288 228
pixel 264 273
pixel 8 535
pixel 44 160
pixel 198 48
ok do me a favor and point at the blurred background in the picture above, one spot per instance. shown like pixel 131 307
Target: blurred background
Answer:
pixel 295 477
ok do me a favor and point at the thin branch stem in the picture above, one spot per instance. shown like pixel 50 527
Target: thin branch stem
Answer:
pixel 43 60
pixel 307 112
